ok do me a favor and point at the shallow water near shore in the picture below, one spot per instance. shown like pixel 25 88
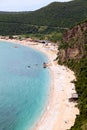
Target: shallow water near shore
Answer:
pixel 24 86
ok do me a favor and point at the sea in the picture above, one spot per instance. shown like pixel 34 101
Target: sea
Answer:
pixel 24 86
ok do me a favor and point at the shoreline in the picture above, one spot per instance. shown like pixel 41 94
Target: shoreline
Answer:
pixel 60 114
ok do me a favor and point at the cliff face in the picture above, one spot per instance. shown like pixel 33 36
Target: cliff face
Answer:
pixel 74 45
pixel 73 53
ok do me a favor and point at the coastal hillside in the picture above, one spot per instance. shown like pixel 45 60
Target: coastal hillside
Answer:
pixel 57 16
pixel 74 44
pixel 73 53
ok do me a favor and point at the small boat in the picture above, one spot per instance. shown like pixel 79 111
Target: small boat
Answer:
pixel 44 65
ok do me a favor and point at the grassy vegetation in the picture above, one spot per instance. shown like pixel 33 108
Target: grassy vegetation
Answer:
pixel 53 37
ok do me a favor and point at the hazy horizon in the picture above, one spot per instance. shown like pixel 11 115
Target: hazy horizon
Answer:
pixel 25 5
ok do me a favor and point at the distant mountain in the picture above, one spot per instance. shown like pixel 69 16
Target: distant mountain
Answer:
pixel 60 14
pixel 73 53
pixel 56 14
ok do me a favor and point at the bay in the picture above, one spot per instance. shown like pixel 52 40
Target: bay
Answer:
pixel 24 86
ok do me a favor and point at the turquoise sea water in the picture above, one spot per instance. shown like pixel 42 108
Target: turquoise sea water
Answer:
pixel 23 90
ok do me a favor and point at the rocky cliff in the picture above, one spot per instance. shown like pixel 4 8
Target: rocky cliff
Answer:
pixel 74 44
pixel 73 53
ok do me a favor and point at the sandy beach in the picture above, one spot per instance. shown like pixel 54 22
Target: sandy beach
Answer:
pixel 60 113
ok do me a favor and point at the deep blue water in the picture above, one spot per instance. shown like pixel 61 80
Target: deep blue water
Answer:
pixel 23 90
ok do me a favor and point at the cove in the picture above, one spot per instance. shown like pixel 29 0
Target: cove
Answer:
pixel 24 86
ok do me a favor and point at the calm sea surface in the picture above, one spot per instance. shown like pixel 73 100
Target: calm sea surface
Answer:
pixel 24 86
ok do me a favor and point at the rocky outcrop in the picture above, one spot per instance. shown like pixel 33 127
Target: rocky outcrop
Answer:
pixel 74 45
